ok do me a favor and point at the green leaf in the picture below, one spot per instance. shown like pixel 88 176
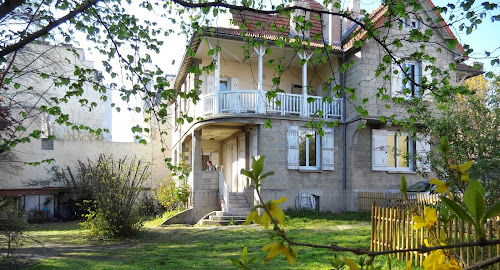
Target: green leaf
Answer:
pixel 244 254
pixel 266 175
pixel 452 43
pixel 474 200
pixel 247 173
pixel 258 166
pixel 493 211
pixel 403 184
pixel 236 262
pixel 457 209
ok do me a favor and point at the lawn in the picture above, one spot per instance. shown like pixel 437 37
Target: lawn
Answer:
pixel 178 247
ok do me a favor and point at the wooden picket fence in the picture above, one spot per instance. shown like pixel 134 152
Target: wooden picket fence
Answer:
pixel 385 199
pixel 392 229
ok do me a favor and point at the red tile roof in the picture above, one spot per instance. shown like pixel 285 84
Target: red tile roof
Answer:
pixel 263 34
pixel 281 24
pixel 378 17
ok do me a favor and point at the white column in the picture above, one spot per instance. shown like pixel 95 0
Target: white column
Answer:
pixel 261 50
pixel 305 105
pixel 216 58
pixel 217 83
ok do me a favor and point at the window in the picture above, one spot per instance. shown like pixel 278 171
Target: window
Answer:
pixel 399 148
pixel 47 144
pixel 411 78
pixel 395 151
pixel 405 80
pixel 411 22
pixel 307 150
pixel 223 85
pixel 297 89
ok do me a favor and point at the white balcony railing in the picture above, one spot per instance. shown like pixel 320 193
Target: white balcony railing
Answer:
pixel 246 101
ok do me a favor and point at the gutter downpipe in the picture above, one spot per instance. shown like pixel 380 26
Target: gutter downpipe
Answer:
pixel 344 171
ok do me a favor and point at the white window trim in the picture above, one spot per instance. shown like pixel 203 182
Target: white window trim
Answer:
pixel 381 147
pixel 418 66
pixel 411 152
pixel 325 150
pixel 318 151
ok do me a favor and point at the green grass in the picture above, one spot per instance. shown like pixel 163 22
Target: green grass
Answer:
pixel 180 247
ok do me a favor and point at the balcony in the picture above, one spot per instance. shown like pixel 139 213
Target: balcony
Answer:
pixel 248 101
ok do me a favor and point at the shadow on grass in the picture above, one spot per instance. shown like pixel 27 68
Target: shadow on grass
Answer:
pixel 315 215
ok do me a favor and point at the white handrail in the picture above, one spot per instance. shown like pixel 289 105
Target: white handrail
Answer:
pixel 224 191
pixel 244 101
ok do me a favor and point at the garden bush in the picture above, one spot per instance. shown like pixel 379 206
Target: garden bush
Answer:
pixel 109 190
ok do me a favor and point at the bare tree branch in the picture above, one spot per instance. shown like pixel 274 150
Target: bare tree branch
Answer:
pixel 8 6
pixel 45 30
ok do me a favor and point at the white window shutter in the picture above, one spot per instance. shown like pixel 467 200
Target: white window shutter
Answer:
pixel 327 150
pixel 428 75
pixel 396 81
pixel 210 84
pixel 293 147
pixel 45 125
pixel 379 150
pixel 235 84
pixel 418 78
pixel 423 148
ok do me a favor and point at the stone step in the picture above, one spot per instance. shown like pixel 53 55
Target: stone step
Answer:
pixel 240 209
pixel 221 222
pixel 227 217
pixel 232 213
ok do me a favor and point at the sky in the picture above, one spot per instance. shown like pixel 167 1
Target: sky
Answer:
pixel 484 38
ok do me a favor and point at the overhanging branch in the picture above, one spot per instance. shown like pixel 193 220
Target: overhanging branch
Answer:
pixel 45 30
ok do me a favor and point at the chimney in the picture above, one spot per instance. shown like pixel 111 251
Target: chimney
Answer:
pixel 332 27
pixel 298 12
pixel 354 7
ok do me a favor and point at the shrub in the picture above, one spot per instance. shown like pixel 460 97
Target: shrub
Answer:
pixel 12 227
pixel 109 190
pixel 149 206
pixel 166 194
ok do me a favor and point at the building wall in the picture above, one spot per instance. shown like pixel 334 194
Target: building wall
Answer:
pixel 366 60
pixel 290 182
pixel 68 153
pixel 34 91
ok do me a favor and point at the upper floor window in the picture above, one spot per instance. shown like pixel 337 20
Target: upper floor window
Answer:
pixel 224 85
pixel 405 79
pixel 411 79
pixel 410 22
pixel 307 150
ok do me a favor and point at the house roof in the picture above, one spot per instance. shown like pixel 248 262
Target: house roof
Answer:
pixel 377 17
pixel 250 21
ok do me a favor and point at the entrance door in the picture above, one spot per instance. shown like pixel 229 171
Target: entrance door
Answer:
pixel 234 165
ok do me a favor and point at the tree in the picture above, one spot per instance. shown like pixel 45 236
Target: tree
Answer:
pixel 472 124
pixel 131 40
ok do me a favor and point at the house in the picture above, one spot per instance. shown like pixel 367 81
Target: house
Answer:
pixel 26 94
pixel 320 172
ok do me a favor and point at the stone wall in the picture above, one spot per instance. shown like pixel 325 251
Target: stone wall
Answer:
pixel 290 182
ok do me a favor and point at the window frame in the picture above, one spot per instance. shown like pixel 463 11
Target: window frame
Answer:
pixel 410 152
pixel 317 167
pixel 416 77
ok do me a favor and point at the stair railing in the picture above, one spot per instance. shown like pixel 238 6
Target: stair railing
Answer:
pixel 224 191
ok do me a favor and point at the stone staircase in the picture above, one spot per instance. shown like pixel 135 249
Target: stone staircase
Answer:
pixel 239 208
